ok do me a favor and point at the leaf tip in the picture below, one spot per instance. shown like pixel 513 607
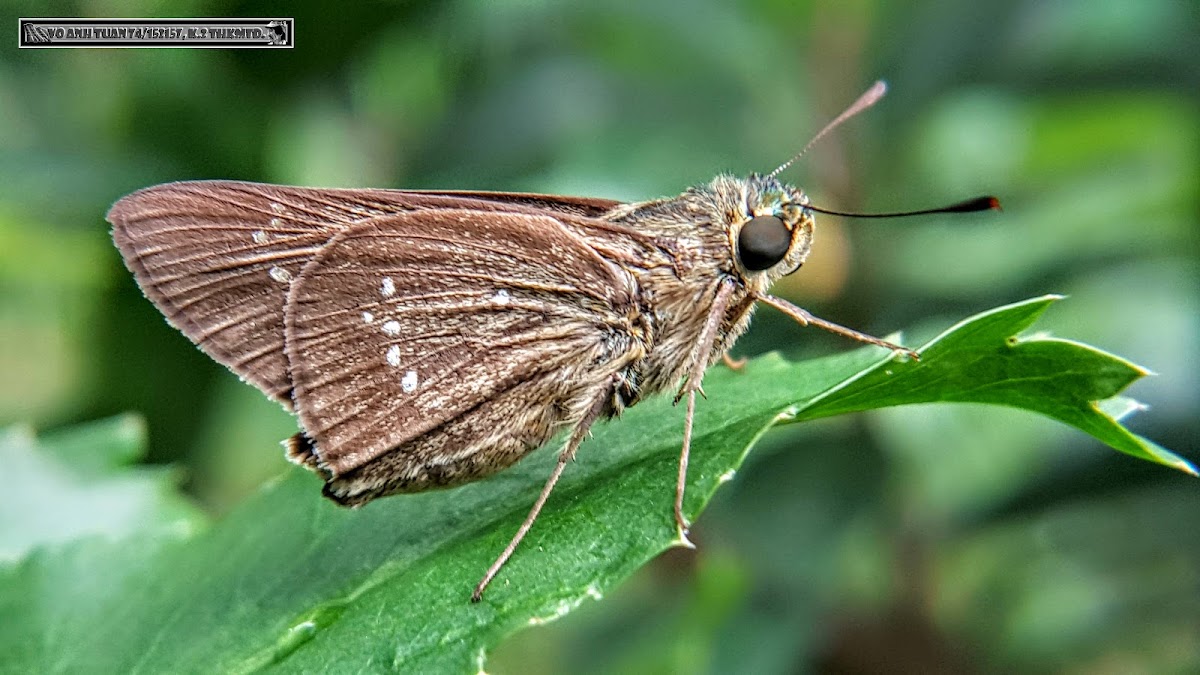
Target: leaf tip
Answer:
pixel 1155 452
pixel 1187 467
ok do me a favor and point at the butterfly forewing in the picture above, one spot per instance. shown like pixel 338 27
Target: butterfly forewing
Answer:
pixel 403 323
pixel 217 257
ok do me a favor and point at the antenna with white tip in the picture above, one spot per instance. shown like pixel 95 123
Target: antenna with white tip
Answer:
pixel 868 99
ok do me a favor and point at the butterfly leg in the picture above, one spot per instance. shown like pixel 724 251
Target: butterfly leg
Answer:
pixel 704 346
pixel 681 523
pixel 564 457
pixel 736 365
pixel 804 318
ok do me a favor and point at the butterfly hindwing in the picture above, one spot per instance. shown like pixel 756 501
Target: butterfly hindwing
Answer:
pixel 403 324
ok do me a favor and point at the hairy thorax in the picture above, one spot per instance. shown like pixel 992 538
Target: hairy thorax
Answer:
pixel 676 283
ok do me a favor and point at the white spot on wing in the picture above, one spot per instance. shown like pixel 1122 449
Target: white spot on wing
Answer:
pixel 259 237
pixel 278 208
pixel 409 382
pixel 393 356
pixel 501 298
pixel 279 274
pixel 368 317
pixel 391 327
pixel 388 287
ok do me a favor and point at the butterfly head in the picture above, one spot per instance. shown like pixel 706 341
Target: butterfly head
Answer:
pixel 772 230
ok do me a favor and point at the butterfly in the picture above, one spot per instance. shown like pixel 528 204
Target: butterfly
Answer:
pixel 427 339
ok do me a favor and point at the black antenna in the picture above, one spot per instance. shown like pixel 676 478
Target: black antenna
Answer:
pixel 868 99
pixel 985 203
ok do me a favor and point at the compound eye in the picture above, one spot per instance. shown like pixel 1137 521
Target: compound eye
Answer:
pixel 763 242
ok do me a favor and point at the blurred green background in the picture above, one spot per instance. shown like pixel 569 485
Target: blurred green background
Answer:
pixel 927 539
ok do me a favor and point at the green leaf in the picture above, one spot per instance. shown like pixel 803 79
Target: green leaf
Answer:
pixel 972 363
pixel 289 580
pixel 76 484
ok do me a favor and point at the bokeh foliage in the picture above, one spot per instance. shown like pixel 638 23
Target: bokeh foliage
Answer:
pixel 928 535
